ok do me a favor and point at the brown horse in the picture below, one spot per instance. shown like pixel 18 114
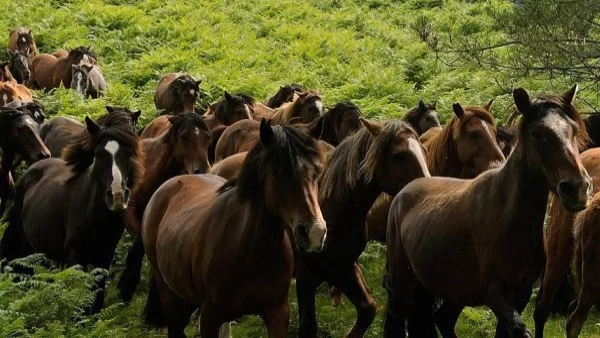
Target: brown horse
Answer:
pixel 49 72
pixel 6 74
pixel 479 242
pixel 229 110
pixel 176 93
pixel 18 65
pixel 181 150
pixel 559 244
pixel 423 117
pixel 21 39
pixel 34 109
pixel 376 159
pixel 59 131
pixel 78 201
pixel 222 246
pixel 306 109
pixel 506 138
pixel 286 93
pixel 10 92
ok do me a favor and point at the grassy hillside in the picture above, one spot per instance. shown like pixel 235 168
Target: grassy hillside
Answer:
pixel 366 51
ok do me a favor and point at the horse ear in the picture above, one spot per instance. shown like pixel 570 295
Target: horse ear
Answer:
pixel 522 100
pixel 434 104
pixel 87 67
pixel 198 82
pixel 29 32
pixel 459 111
pixel 92 127
pixel 10 52
pixel 569 96
pixel 227 96
pixel 111 109
pixel 374 128
pixel 137 114
pixel 422 106
pixel 488 106
pixel 266 132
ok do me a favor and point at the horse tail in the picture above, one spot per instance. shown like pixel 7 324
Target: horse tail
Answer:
pixel 153 312
pixel 13 244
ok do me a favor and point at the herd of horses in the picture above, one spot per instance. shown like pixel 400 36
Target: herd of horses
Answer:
pixel 228 206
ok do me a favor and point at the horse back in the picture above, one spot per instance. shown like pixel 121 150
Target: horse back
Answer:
pixel 162 97
pixel 229 167
pixel 239 137
pixel 58 132
pixel 42 72
pixel 156 127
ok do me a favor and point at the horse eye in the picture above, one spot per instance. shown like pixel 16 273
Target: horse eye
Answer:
pixel 473 135
pixel 537 136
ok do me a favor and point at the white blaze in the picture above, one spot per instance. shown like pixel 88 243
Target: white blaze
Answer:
pixel 248 112
pixel 415 147
pixel 112 147
pixel 319 105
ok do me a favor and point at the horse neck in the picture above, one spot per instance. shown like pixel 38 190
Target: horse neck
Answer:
pixel 444 160
pixel 159 165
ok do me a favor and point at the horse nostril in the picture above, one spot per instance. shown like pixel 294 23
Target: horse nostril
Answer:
pixel 42 155
pixel 197 171
pixel 566 188
pixel 109 194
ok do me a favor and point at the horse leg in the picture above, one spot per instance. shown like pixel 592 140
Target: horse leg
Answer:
pixel 336 295
pixel 587 297
pixel 307 281
pixel 420 314
pixel 277 320
pixel 224 330
pixel 446 317
pixel 352 283
pixel 210 325
pixel 130 278
pixel 510 323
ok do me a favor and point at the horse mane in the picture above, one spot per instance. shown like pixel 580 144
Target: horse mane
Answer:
pixel 413 115
pixel 280 97
pixel 330 118
pixel 183 120
pixel 443 146
pixel 296 155
pixel 219 108
pixel 80 52
pixel 540 105
pixel 79 154
pixel 356 159
pixel 506 133
pixel 288 112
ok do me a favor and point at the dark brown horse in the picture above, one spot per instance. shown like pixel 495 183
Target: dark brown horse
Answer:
pixel 34 109
pixel 306 109
pixel 423 117
pixel 559 245
pixel 18 65
pixel 6 74
pixel 479 242
pixel 176 93
pixel 59 131
pixel 378 158
pixel 78 201
pixel 233 235
pixel 286 93
pixel 49 72
pixel 230 109
pixel 21 39
pixel 592 125
pixel 181 150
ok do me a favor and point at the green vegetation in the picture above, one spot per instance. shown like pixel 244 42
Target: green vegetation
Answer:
pixel 376 53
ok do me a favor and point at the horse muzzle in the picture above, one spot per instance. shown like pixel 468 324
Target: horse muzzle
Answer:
pixel 117 201
pixel 310 237
pixel 574 194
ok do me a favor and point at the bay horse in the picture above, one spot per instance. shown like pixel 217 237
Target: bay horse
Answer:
pixel 18 65
pixel 423 117
pixel 563 231
pixel 230 109
pixel 222 246
pixel 34 109
pixel 5 73
pixel 71 209
pixel 286 93
pixel 60 131
pixel 306 109
pixel 49 72
pixel 21 39
pixel 496 219
pixel 87 81
pixel 176 93
pixel 378 158
pixel 19 140
pixel 181 150
pixel 10 92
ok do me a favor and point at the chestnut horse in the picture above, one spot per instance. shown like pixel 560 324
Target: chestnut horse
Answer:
pixel 559 243
pixel 222 246
pixel 307 108
pixel 78 201
pixel 378 158
pixel 10 92
pixel 49 72
pixel 423 117
pixel 176 93
pixel 496 220
pixel 87 81
pixel 18 65
pixel 21 39
pixel 182 149
pixel 59 131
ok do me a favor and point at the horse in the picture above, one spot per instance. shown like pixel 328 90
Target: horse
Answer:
pixel 18 65
pixel 230 109
pixel 307 108
pixel 21 39
pixel 286 93
pixel 87 81
pixel 237 256
pixel 34 109
pixel 377 158
pixel 564 232
pixel 181 150
pixel 60 131
pixel 10 92
pixel 423 117
pixel 480 241
pixel 506 138
pixel 176 93
pixel 78 201
pixel 49 72
pixel 19 139
pixel 6 74
pixel 592 126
